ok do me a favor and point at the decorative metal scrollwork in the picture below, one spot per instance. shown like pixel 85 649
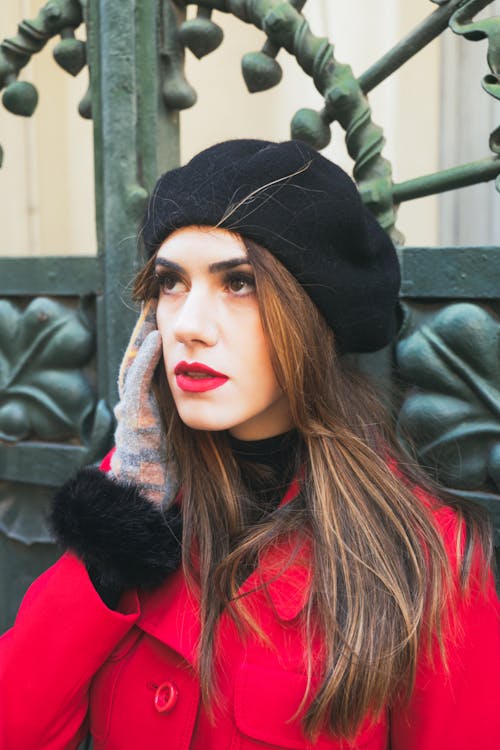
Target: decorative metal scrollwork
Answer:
pixel 44 394
pixel 488 28
pixel 178 94
pixel 345 101
pixel 56 17
pixel 452 413
pixel 201 35
pixel 344 95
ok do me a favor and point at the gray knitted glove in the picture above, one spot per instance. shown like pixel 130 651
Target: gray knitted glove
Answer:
pixel 140 456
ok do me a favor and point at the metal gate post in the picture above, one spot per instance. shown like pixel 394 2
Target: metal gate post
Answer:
pixel 135 137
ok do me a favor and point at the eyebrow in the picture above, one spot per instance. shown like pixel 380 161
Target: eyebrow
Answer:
pixel 222 265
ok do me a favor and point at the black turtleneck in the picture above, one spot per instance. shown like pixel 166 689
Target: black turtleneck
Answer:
pixel 267 468
pixel 274 452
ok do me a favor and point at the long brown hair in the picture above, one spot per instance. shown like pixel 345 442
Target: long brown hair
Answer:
pixel 378 557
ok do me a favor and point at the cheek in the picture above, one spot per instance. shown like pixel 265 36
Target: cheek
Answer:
pixel 163 323
pixel 256 353
pixel 160 318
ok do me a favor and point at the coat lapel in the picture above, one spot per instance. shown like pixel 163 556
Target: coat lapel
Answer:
pixel 284 574
pixel 285 569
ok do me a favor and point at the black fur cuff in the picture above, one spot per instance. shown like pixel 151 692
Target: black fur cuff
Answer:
pixel 124 539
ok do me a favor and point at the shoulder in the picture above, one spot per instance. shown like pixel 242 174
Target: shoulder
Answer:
pixel 448 519
pixel 463 530
pixel 467 544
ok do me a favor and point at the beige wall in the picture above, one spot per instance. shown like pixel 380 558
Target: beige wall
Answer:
pixel 46 182
pixel 46 190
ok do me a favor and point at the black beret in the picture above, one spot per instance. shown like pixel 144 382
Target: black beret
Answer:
pixel 307 212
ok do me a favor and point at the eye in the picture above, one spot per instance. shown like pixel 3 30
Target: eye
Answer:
pixel 240 284
pixel 169 281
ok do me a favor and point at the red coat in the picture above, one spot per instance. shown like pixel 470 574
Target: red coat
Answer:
pixel 69 663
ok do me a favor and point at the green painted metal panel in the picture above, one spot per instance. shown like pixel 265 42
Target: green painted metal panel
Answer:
pixel 42 463
pixel 450 272
pixel 50 275
pixel 47 350
pixel 30 561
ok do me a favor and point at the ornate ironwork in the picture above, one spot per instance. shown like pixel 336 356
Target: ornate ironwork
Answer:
pixel 452 411
pixel 344 95
pixel 135 52
pixel 178 94
pixel 261 71
pixel 488 28
pixel 44 394
pixel 286 27
pixel 424 33
pixel 56 17
pixel 201 35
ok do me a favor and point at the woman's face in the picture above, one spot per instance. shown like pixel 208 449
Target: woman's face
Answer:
pixel 215 352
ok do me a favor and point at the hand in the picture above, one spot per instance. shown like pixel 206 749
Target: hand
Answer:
pixel 140 456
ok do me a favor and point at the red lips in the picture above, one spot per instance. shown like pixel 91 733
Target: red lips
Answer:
pixel 196 377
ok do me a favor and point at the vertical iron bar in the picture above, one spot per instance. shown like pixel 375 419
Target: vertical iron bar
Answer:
pixel 135 137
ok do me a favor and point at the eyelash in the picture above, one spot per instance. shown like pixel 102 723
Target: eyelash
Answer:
pixel 246 278
pixel 164 277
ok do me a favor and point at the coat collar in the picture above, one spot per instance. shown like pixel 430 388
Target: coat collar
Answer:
pixel 283 576
pixel 171 613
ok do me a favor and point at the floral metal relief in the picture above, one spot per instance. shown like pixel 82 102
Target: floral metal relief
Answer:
pixel 44 393
pixel 452 413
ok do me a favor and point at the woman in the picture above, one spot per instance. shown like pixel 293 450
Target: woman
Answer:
pixel 260 567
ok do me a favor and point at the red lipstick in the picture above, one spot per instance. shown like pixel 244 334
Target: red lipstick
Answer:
pixel 194 377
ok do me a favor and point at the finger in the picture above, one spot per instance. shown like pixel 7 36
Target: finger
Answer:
pixel 143 327
pixel 140 376
pixel 148 354
pixel 137 409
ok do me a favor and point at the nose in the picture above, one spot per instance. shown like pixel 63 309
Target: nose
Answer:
pixel 195 320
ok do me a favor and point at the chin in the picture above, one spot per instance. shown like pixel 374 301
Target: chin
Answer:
pixel 204 422
pixel 204 426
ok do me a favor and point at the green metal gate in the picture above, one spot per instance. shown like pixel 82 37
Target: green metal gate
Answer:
pixel 64 323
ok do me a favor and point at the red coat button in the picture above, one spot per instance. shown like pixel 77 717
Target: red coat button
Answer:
pixel 165 697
